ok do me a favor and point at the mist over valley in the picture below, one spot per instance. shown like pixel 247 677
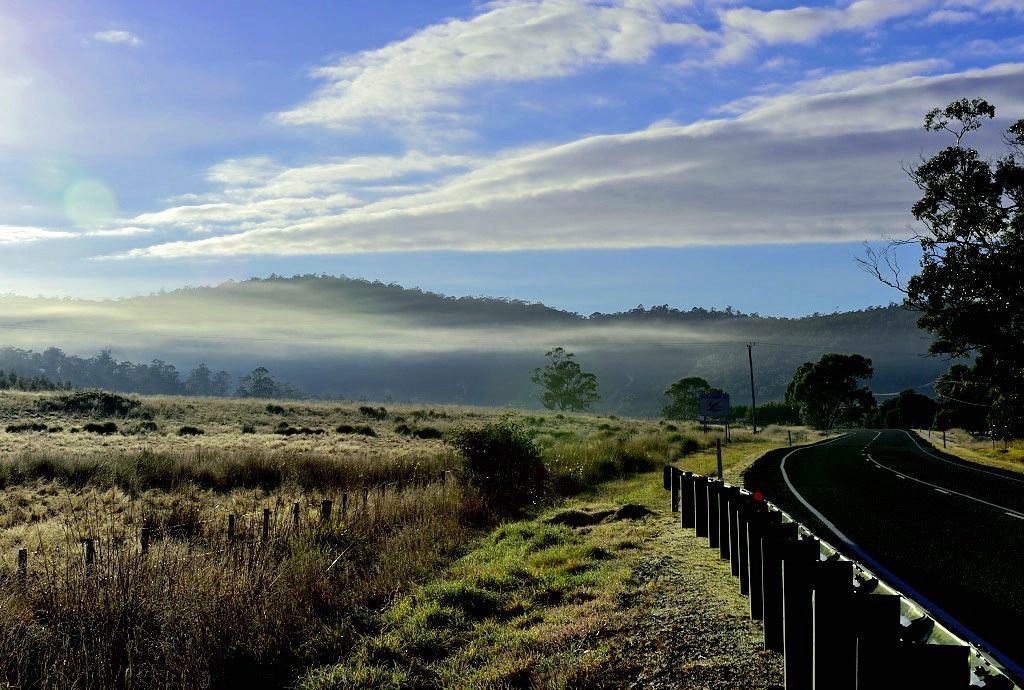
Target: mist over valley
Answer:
pixel 355 339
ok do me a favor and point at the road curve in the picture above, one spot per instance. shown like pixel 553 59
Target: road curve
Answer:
pixel 950 532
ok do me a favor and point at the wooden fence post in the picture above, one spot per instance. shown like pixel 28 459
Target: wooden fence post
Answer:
pixel 144 538
pixel 231 526
pixel 295 515
pixel 90 551
pixel 22 564
pixel 325 509
pixel 344 506
pixel 266 523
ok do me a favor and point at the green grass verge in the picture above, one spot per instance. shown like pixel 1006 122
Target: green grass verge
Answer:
pixel 505 613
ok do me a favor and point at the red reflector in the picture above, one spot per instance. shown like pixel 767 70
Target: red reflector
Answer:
pixel 758 496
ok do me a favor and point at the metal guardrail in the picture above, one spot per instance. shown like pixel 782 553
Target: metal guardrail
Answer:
pixel 838 623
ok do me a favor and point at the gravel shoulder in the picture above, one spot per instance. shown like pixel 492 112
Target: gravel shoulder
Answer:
pixel 681 621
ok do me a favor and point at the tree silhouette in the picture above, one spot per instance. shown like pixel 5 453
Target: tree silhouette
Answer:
pixel 685 398
pixel 827 392
pixel 969 290
pixel 565 386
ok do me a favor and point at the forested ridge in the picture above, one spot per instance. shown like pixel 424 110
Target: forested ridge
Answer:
pixel 336 337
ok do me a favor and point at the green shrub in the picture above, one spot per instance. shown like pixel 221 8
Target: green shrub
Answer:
pixel 503 463
pixel 286 429
pixel 373 412
pixel 28 426
pixel 274 409
pixel 190 431
pixel 687 444
pixel 424 432
pixel 100 428
pixel 91 402
pixel 364 429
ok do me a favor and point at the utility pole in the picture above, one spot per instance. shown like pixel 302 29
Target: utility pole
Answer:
pixel 753 403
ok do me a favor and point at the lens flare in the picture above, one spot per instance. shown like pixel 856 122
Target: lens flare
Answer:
pixel 89 203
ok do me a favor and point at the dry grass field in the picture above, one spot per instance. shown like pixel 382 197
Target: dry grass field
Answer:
pixel 118 570
pixel 1007 455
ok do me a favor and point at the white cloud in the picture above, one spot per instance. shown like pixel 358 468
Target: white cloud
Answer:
pixel 988 6
pixel 119 232
pixel 837 82
pixel 258 192
pixel 745 28
pixel 113 36
pixel 421 79
pixel 987 47
pixel 799 167
pixel 950 17
pixel 12 234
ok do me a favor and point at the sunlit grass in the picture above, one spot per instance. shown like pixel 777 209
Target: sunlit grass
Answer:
pixel 1007 455
pixel 196 610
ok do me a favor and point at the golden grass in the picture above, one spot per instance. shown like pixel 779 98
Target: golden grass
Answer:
pixel 196 611
pixel 1007 455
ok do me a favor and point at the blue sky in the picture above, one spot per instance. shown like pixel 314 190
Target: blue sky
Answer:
pixel 589 155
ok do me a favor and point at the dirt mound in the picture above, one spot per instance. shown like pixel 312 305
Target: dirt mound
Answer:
pixel 589 516
pixel 580 518
pixel 632 511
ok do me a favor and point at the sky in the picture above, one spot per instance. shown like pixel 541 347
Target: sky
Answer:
pixel 590 155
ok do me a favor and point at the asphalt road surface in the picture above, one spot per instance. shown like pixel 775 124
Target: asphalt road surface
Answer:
pixel 951 532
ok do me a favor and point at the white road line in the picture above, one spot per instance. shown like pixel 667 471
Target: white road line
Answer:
pixel 957 464
pixel 1008 511
pixel 828 523
pixel 895 582
pixel 943 491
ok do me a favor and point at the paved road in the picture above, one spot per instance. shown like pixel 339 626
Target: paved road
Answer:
pixel 951 531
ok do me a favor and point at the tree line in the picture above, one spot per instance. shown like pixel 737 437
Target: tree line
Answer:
pixel 52 369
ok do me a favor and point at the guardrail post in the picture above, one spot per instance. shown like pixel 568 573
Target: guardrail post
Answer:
pixel 700 506
pixel 725 495
pixel 770 524
pixel 674 482
pixel 877 625
pixel 739 504
pixel 799 559
pixel 667 479
pixel 752 522
pixel 685 481
pixel 834 642
pixel 773 547
pixel 714 488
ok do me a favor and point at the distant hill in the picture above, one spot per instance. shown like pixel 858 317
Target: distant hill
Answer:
pixel 341 337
